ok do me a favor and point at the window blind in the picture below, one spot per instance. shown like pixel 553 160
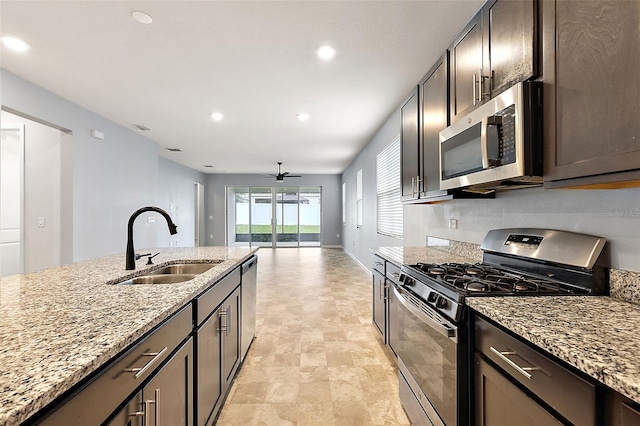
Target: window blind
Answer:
pixel 388 191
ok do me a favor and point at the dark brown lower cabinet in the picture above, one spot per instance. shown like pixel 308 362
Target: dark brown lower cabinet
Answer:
pixel 168 397
pixel 499 402
pixel 218 348
pixel 621 411
pixel 131 414
pixel 167 400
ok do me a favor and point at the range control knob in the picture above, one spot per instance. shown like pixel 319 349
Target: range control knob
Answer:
pixel 408 281
pixel 441 303
pixel 432 297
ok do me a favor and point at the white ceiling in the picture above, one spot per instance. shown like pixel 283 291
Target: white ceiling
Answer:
pixel 253 61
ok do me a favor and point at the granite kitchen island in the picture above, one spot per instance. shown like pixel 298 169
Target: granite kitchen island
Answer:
pixel 60 325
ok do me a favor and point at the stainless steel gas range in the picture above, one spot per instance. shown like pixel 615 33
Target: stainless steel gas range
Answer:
pixel 434 354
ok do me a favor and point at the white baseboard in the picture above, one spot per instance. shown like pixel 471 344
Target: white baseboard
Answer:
pixel 355 259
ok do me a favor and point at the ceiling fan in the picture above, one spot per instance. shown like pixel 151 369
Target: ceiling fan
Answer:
pixel 281 175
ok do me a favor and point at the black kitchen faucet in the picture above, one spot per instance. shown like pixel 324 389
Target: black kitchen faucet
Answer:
pixel 131 256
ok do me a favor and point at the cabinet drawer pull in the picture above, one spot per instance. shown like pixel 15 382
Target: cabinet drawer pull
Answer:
pixel 474 90
pixel 141 370
pixel 521 370
pixel 156 421
pixel 223 325
pixel 229 316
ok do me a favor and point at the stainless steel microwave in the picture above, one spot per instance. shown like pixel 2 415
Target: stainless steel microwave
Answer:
pixel 497 146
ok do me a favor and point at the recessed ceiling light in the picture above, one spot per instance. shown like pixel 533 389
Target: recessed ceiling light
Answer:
pixel 141 17
pixel 209 166
pixel 217 116
pixel 303 116
pixel 15 44
pixel 174 149
pixel 326 52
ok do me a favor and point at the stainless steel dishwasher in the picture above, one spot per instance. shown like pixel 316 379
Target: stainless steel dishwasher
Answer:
pixel 248 294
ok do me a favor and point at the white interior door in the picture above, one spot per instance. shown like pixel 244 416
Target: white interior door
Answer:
pixel 11 200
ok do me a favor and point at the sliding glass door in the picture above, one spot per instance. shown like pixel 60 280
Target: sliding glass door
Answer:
pixel 274 216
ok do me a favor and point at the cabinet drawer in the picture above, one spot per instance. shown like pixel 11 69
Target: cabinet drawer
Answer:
pixel 208 301
pixel 378 264
pixel 567 393
pixel 393 272
pixel 99 398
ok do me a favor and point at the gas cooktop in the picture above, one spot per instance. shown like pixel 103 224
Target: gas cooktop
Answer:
pixel 515 261
pixel 478 279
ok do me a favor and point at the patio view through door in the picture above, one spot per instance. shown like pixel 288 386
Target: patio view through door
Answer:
pixel 274 216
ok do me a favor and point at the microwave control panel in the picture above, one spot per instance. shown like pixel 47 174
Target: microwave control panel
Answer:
pixel 501 137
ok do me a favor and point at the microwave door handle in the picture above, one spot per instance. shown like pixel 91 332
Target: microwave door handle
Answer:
pixel 483 143
pixel 448 331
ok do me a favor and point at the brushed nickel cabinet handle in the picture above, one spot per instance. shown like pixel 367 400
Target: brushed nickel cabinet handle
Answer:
pixel 229 316
pixel 156 421
pixel 147 410
pixel 474 90
pixel 521 370
pixel 141 370
pixel 223 325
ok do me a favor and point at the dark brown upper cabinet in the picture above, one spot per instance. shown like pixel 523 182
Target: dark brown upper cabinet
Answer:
pixel 592 92
pixel 410 148
pixel 434 110
pixel 496 49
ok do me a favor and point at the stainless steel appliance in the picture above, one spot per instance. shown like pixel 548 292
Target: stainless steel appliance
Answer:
pixel 434 332
pixel 248 288
pixel 497 146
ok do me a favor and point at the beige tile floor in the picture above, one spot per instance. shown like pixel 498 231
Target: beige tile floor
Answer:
pixel 316 359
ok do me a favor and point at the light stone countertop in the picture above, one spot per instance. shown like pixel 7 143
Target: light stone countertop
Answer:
pixel 59 325
pixel 598 335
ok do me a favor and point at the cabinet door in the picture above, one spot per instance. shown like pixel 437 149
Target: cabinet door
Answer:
pixel 620 410
pixel 168 397
pixel 131 414
pixel 510 42
pixel 434 104
pixel 409 142
pixel 592 119
pixel 500 402
pixel 466 68
pixel 208 378
pixel 379 303
pixel 231 337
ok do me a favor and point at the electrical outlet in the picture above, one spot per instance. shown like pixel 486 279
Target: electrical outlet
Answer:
pixel 453 223
pixel 338 236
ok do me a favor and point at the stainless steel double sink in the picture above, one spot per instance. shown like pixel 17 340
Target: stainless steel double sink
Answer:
pixel 171 274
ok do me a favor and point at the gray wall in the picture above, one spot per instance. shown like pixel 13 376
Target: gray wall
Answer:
pixel 111 178
pixel 215 202
pixel 176 194
pixel 358 242
pixel 613 214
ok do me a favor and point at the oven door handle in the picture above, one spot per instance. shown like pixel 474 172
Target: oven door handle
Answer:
pixel 447 330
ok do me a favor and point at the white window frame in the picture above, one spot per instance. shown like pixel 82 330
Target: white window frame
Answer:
pixel 344 202
pixel 389 191
pixel 359 196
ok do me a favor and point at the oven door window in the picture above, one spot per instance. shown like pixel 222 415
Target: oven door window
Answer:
pixel 462 153
pixel 431 359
